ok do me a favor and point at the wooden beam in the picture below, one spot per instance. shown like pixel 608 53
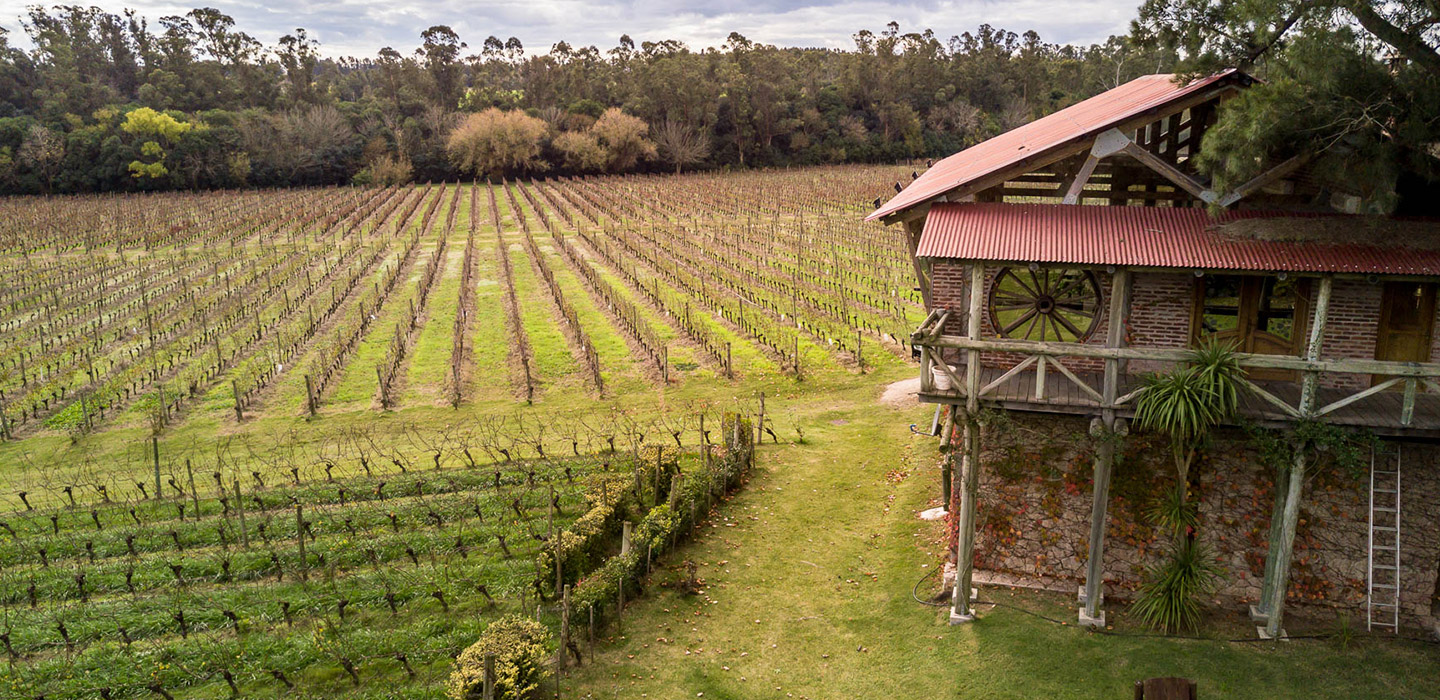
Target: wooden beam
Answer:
pixel 1099 399
pixel 1360 396
pixel 1105 432
pixel 1072 196
pixel 1264 179
pixel 1008 375
pixel 913 230
pixel 1171 173
pixel 1311 381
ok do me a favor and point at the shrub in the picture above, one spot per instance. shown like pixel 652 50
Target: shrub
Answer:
pixel 1169 600
pixel 496 143
pixel 521 654
pixel 664 525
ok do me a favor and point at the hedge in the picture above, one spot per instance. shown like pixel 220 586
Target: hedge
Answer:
pixel 667 524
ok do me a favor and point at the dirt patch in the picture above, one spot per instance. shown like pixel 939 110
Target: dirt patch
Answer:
pixel 902 394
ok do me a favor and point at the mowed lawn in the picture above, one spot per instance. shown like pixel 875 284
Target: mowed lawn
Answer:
pixel 808 575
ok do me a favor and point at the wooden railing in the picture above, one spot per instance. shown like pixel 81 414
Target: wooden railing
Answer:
pixel 1040 357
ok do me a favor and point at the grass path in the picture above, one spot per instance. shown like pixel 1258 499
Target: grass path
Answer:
pixel 807 577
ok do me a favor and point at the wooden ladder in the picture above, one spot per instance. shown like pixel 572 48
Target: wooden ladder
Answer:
pixel 1382 595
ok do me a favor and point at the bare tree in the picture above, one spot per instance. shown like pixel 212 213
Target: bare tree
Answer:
pixel 681 145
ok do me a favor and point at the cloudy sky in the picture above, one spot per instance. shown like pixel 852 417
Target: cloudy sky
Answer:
pixel 360 27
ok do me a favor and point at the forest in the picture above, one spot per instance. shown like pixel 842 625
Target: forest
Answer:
pixel 109 102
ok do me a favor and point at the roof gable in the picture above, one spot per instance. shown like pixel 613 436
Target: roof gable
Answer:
pixel 1077 124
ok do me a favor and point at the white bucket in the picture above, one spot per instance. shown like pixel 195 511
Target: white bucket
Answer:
pixel 942 380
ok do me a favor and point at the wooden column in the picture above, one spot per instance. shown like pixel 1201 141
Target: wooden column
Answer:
pixel 970 458
pixel 1106 430
pixel 913 228
pixel 1282 549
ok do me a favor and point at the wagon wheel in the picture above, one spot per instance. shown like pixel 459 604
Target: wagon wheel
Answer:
pixel 1054 304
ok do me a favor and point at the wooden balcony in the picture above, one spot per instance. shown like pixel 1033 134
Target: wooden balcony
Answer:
pixel 1405 403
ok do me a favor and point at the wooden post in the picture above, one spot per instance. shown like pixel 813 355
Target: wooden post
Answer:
pixel 155 453
pixel 488 692
pixel 1106 430
pixel 239 408
pixel 564 627
pixel 947 468
pixel 760 421
pixel 300 540
pixel 627 530
pixel 1282 549
pixel 913 228
pixel 240 509
pixel 970 459
pixel 310 394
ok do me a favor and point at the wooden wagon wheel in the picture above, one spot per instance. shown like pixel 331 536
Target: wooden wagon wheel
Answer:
pixel 1053 304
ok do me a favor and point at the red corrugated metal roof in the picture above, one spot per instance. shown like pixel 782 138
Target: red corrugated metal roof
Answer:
pixel 1148 237
pixel 1078 121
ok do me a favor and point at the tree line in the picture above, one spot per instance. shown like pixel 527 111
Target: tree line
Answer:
pixel 107 102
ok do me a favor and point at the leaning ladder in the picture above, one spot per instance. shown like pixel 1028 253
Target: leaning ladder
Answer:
pixel 1382 596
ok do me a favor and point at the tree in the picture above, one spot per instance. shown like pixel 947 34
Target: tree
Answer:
pixel 1355 81
pixel 1185 404
pixel 42 152
pixel 153 127
pixel 624 140
pixel 441 52
pixel 582 151
pixel 299 55
pixel 681 145
pixel 496 143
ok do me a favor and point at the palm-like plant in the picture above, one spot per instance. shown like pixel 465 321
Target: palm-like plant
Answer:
pixel 1189 401
pixel 1185 404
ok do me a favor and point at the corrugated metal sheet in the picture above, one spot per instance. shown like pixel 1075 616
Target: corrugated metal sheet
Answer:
pixel 1150 237
pixel 1081 120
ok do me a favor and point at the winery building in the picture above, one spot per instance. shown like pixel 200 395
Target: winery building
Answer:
pixel 1067 258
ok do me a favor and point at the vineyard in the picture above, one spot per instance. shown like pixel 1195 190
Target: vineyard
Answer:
pixel 154 311
pixel 312 441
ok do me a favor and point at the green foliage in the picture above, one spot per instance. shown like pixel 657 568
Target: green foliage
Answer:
pixel 521 650
pixel 663 526
pixel 1187 402
pixel 1169 599
pixel 149 124
pixel 1346 450
pixel 897 94
pixel 1355 82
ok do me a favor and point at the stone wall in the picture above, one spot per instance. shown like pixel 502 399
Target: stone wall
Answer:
pixel 1035 498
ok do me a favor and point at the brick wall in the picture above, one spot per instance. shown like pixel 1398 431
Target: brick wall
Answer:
pixel 1351 329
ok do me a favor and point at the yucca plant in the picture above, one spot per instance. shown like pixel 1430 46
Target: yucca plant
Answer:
pixel 1169 599
pixel 1186 404
pixel 1189 401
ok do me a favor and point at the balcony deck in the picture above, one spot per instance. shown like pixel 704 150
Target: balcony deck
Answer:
pixel 1380 412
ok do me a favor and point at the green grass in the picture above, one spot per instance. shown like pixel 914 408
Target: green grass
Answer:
pixel 807 579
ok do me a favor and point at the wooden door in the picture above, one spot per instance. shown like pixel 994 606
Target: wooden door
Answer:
pixel 1255 314
pixel 1407 323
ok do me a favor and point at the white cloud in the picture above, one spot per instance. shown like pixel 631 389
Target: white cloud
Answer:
pixel 361 27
